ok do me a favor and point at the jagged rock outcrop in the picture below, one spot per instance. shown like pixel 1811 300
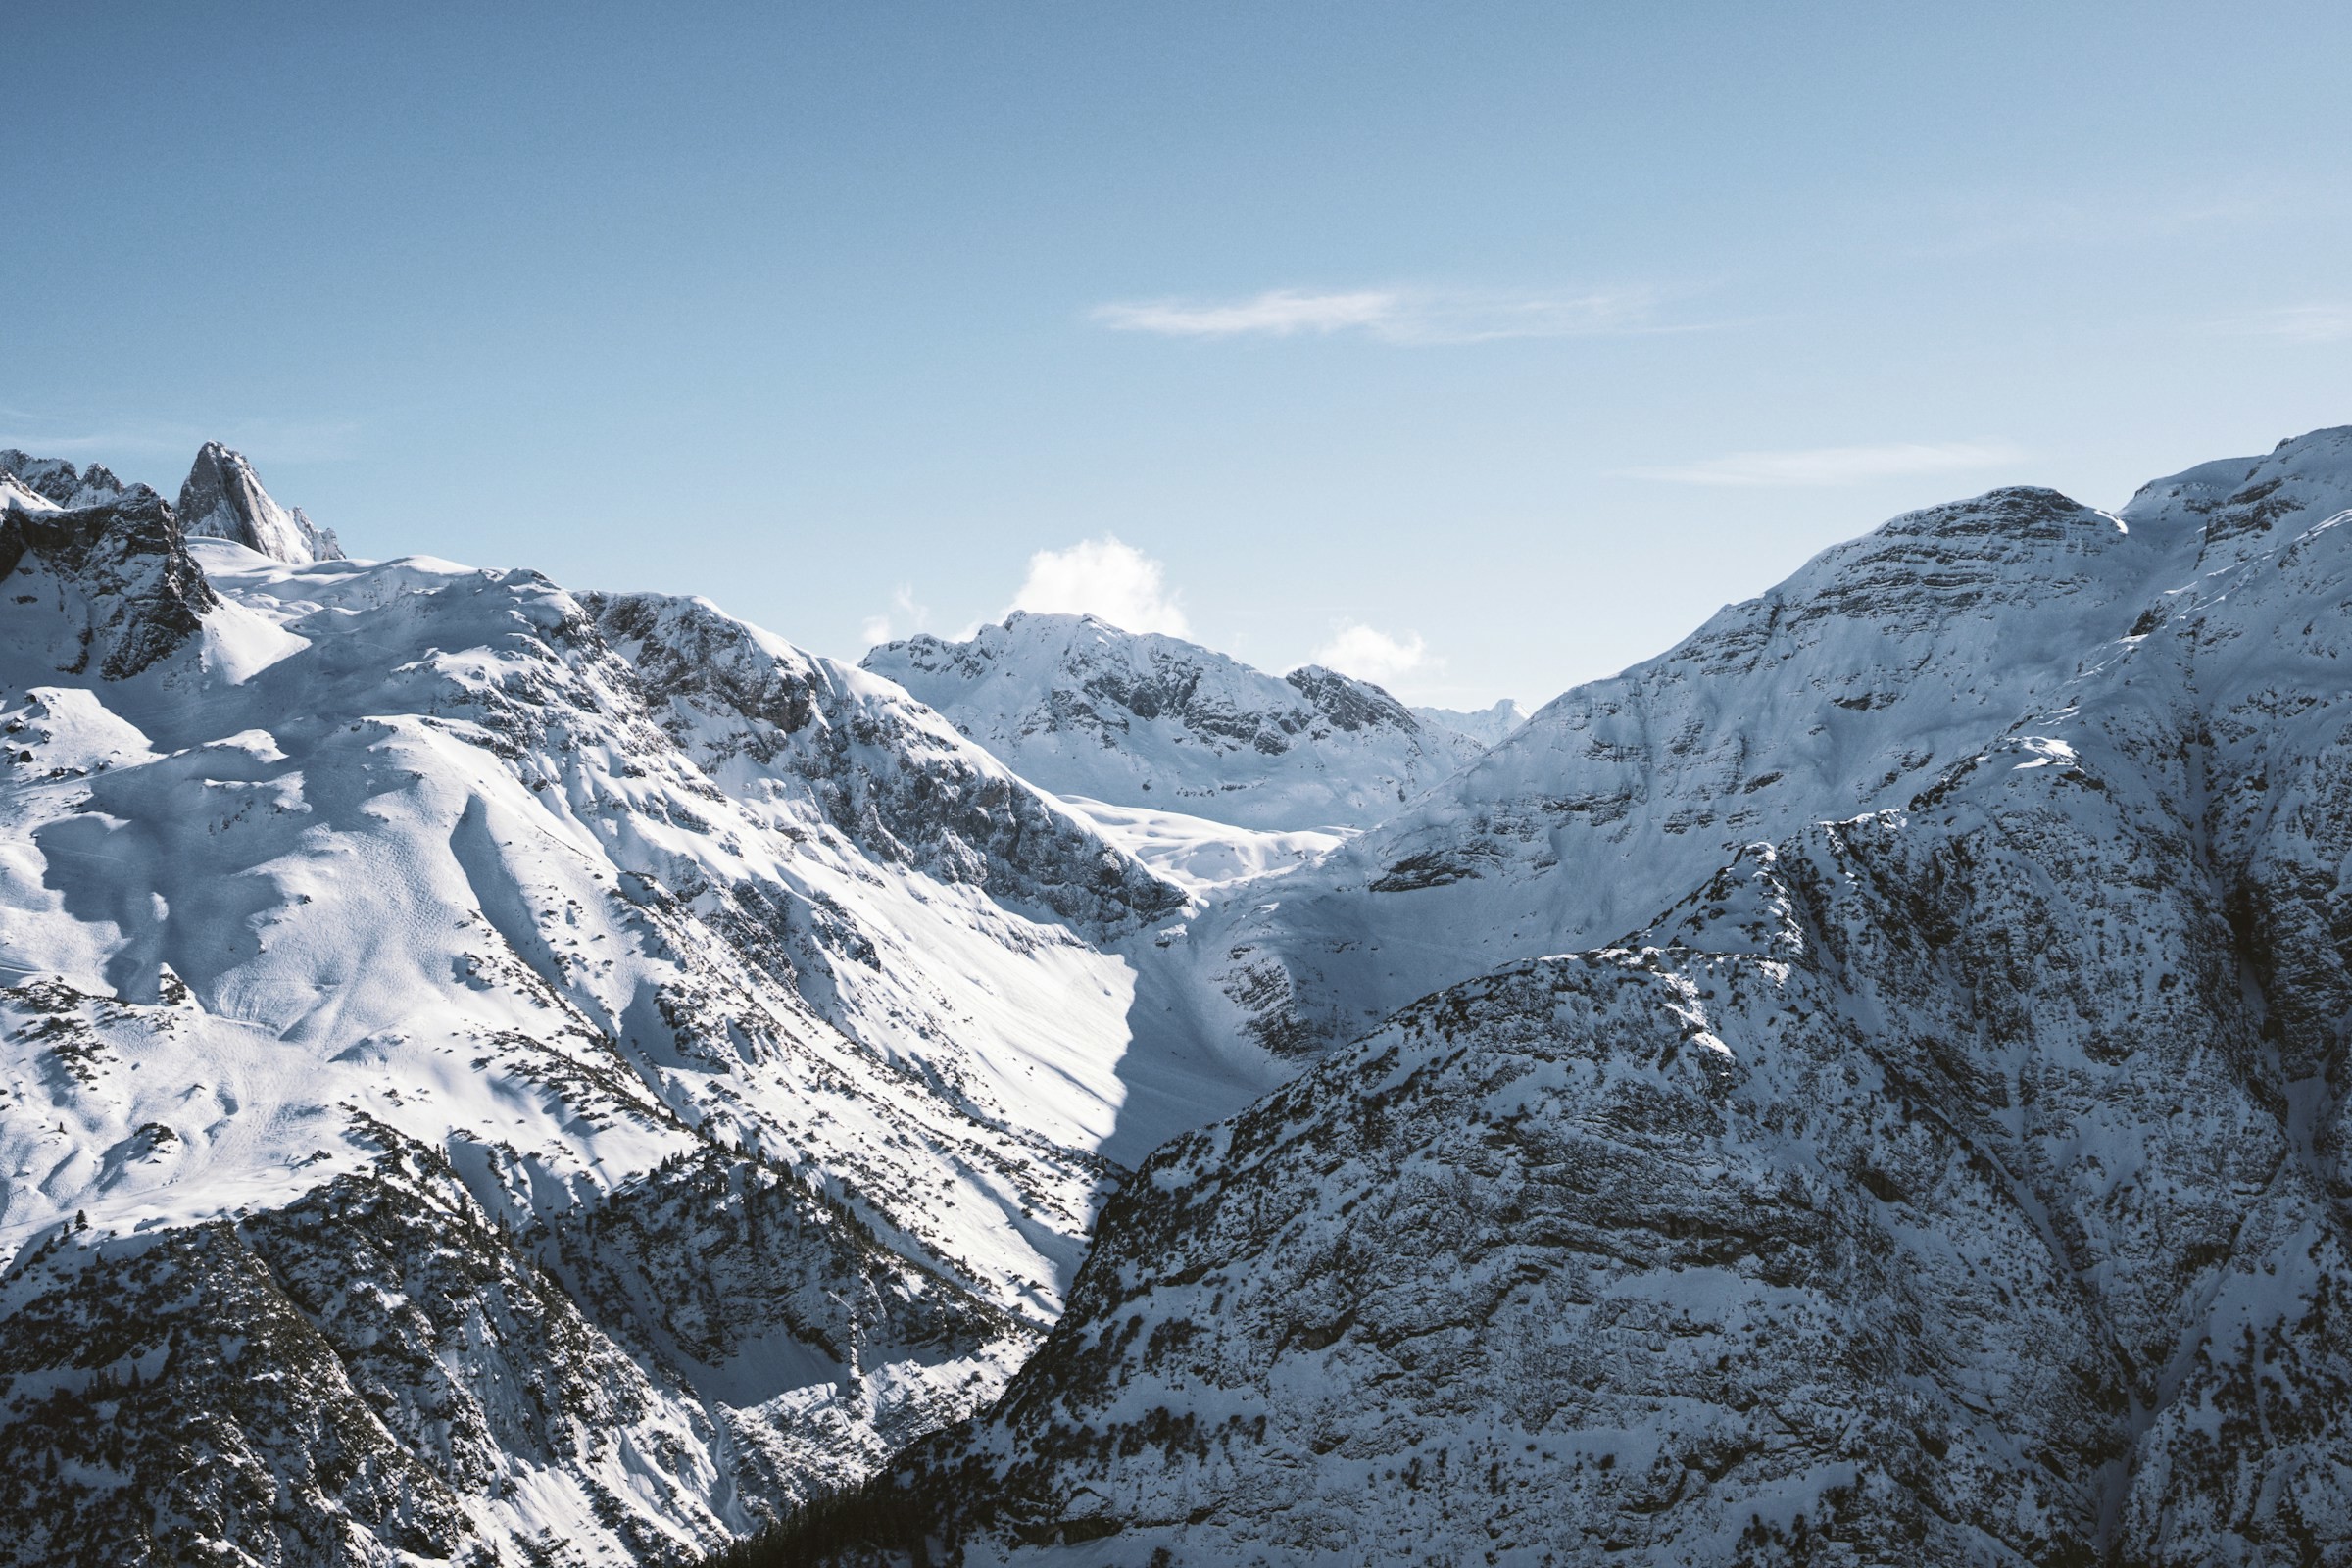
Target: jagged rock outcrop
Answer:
pixel 1085 708
pixel 94 576
pixel 222 497
pixel 55 481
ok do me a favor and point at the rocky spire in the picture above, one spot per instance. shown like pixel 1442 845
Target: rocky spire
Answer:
pixel 224 499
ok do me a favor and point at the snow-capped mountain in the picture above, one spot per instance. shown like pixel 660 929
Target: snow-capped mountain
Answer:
pixel 44 484
pixel 494 1075
pixel 502 1075
pixel 1847 687
pixel 1143 720
pixel 1948 1167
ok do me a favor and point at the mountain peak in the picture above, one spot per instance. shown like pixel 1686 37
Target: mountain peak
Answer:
pixel 54 482
pixel 2235 501
pixel 1150 720
pixel 224 499
pixel 1348 703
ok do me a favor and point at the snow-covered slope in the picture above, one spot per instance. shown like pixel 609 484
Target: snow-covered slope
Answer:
pixel 1143 720
pixel 1960 1182
pixel 1845 688
pixel 496 1075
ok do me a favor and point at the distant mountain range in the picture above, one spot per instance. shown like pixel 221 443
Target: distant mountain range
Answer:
pixel 502 1074
pixel 1488 726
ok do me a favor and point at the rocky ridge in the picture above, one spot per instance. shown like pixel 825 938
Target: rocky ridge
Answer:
pixel 1847 687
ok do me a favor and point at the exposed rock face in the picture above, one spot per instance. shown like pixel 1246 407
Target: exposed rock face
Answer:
pixel 55 481
pixel 763 718
pixel 500 1077
pixel 1958 1181
pixel 1085 708
pixel 96 584
pixel 224 499
pixel 383 1364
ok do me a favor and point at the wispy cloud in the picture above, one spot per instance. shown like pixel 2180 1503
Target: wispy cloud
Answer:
pixel 1369 654
pixel 2300 323
pixel 1105 578
pixel 1834 465
pixel 1401 315
pixel 1279 313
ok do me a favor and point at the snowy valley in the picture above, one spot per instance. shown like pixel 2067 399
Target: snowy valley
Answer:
pixel 503 1074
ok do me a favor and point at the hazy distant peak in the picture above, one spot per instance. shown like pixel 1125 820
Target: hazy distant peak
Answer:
pixel 1486 725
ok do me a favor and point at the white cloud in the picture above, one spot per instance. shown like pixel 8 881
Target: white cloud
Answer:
pixel 1105 579
pixel 1390 316
pixel 1372 654
pixel 1834 465
pixel 914 616
pixel 2301 324
pixel 1279 313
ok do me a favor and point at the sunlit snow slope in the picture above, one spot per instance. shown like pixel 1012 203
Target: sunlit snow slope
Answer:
pixel 496 1074
pixel 1201 856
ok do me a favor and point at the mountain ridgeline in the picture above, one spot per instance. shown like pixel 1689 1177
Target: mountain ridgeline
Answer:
pixel 505 1075
pixel 1865 1085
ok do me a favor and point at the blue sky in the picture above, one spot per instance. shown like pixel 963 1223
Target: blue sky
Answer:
pixel 1487 347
